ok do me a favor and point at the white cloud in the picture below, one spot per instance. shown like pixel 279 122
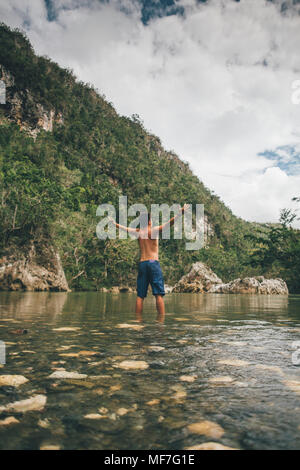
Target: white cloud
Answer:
pixel 215 85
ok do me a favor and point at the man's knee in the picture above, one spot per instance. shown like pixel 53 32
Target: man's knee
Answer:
pixel 159 297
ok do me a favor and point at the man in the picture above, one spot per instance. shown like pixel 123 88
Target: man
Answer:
pixel 149 271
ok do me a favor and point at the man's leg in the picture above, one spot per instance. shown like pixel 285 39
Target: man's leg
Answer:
pixel 160 306
pixel 139 308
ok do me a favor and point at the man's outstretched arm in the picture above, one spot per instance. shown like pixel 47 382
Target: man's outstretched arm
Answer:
pixel 125 229
pixel 159 228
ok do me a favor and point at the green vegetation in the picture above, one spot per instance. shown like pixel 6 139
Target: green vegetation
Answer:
pixel 51 186
pixel 278 253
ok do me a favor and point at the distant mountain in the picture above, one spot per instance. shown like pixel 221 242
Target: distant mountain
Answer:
pixel 65 150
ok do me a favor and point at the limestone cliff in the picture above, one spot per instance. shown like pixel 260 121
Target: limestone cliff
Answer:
pixel 22 108
pixel 34 269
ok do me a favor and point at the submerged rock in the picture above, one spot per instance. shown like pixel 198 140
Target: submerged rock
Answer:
pixel 44 423
pixel 200 279
pixel 9 420
pixel 50 447
pixel 153 402
pixel 209 446
pixel 63 374
pixel 222 380
pixel 132 365
pixel 35 403
pixel 155 348
pixel 130 326
pixel 122 411
pixel 206 428
pixel 95 416
pixel 66 328
pixel 188 378
pixel 12 380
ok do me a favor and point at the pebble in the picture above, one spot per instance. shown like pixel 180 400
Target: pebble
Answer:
pixel 9 420
pixel 115 388
pixel 156 348
pixel 95 416
pixel 63 374
pixel 209 446
pixel 132 365
pixel 128 325
pixel 188 378
pixel 50 447
pixel 12 380
pixel 206 428
pixel 44 423
pixel 221 380
pixel 66 328
pixel 153 402
pixel 35 403
pixel 122 411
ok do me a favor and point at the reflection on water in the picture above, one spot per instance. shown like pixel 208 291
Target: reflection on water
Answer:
pixel 221 359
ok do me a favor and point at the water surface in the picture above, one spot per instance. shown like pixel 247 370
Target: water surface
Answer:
pixel 226 359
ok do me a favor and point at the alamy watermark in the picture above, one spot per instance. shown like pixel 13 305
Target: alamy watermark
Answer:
pixel 2 92
pixel 2 353
pixel 296 354
pixel 106 228
pixel 295 98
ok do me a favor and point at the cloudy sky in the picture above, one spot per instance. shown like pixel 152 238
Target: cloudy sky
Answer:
pixel 214 80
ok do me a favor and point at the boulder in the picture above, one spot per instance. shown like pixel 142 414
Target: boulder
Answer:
pixel 168 289
pixel 36 268
pixel 252 285
pixel 200 279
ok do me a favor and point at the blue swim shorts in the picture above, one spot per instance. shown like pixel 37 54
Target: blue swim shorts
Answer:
pixel 150 273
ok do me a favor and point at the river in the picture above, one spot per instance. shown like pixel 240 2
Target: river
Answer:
pixel 221 369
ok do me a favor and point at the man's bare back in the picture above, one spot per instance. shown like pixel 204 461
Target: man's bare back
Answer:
pixel 148 248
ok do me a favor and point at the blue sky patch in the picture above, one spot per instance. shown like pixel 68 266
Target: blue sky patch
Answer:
pixel 286 157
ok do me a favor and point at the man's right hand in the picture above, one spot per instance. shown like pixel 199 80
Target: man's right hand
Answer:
pixel 110 219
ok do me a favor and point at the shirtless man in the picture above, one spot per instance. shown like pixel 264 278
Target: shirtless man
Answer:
pixel 149 268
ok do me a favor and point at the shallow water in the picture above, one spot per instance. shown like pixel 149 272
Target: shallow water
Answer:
pixel 235 349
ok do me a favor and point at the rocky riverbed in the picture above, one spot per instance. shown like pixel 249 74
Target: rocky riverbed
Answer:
pixel 218 374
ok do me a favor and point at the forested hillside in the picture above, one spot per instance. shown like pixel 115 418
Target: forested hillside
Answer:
pixel 65 150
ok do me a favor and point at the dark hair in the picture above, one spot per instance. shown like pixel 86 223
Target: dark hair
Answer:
pixel 145 218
